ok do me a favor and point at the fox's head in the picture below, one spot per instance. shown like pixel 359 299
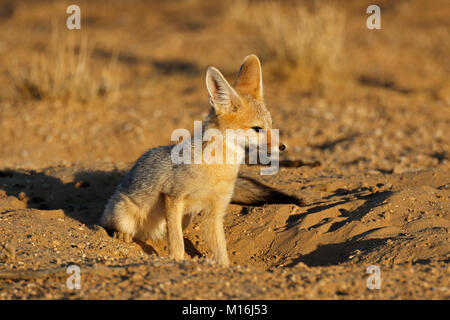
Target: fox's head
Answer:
pixel 241 107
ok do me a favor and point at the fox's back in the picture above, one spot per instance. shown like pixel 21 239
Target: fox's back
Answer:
pixel 152 170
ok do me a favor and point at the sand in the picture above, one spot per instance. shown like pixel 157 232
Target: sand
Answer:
pixel 368 153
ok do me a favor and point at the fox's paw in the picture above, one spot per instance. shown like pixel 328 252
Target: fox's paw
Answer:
pixel 126 237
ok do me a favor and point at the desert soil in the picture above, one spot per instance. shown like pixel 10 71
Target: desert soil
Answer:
pixel 369 154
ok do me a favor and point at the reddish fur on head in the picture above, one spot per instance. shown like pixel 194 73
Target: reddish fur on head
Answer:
pixel 241 107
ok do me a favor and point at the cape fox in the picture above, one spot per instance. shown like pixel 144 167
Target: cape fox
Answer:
pixel 157 198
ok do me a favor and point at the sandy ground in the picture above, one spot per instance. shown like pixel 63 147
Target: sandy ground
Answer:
pixel 369 154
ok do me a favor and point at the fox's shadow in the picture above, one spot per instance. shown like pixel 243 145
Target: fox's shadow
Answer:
pixel 83 197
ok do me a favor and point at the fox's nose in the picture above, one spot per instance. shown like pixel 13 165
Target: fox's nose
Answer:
pixel 281 147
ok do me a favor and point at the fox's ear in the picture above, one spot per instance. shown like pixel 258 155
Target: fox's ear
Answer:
pixel 223 96
pixel 249 81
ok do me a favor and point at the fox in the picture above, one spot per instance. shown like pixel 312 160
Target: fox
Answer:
pixel 157 198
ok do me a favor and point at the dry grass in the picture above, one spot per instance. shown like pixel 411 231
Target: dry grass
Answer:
pixel 65 71
pixel 298 43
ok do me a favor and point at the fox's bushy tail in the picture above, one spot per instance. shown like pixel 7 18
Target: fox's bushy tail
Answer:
pixel 248 191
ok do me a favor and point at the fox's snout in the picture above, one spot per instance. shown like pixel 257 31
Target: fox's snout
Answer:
pixel 281 146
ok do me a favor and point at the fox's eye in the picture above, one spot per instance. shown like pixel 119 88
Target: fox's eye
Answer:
pixel 257 129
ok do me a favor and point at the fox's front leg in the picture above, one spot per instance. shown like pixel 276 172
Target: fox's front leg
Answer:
pixel 174 215
pixel 215 234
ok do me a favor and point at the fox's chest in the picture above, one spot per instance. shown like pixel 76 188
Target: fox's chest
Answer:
pixel 209 196
pixel 204 188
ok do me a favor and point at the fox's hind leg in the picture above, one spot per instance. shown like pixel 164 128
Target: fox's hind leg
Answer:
pixel 122 215
pixel 126 237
